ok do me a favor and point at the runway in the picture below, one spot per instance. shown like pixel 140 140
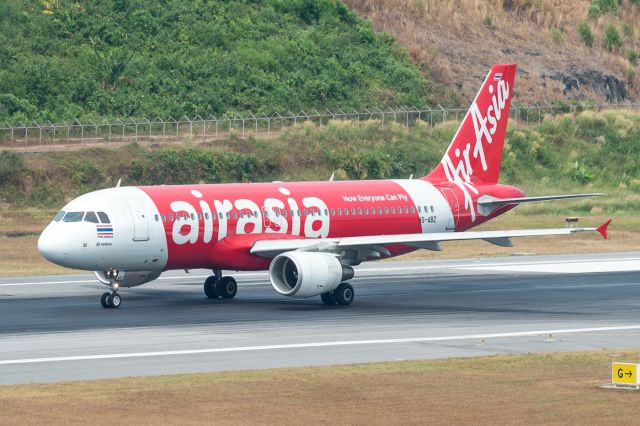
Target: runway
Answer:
pixel 52 328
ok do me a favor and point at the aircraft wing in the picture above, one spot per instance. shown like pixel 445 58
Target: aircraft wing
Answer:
pixel 370 245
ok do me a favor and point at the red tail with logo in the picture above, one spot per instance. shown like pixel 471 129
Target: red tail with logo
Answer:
pixel 475 152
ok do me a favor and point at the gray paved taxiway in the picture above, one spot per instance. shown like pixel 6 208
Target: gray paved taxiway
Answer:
pixel 53 328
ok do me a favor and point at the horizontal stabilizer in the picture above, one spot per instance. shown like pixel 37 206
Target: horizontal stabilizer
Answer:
pixel 487 204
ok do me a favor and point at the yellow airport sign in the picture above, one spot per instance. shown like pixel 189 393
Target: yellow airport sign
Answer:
pixel 624 374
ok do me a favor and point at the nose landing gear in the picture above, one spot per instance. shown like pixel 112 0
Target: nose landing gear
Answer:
pixel 112 299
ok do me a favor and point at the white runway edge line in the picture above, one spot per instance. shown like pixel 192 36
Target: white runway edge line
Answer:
pixel 471 265
pixel 315 345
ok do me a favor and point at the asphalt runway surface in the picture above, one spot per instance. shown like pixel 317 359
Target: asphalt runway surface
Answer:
pixel 53 328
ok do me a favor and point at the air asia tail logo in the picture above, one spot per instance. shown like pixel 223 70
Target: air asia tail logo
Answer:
pixel 470 157
pixel 273 217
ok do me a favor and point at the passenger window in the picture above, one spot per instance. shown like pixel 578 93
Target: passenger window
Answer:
pixel 73 217
pixel 373 210
pixel 59 216
pixel 157 218
pixel 406 209
pixel 431 209
pixel 221 215
pixel 386 210
pixel 379 210
pixel 366 211
pixel 284 213
pixel 103 217
pixel 227 215
pixel 333 212
pixel 339 212
pixel 413 209
pixel 353 210
pixel 235 215
pixel 419 209
pixel 177 216
pixel 326 212
pixel 171 217
pixel 305 212
pixel 164 217
pixel 91 217
pixel 199 216
pixel 393 210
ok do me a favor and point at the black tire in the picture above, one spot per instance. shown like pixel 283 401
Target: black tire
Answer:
pixel 210 289
pixel 344 294
pixel 115 300
pixel 227 287
pixel 328 298
pixel 104 300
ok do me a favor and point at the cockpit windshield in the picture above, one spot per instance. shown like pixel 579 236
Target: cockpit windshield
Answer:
pixel 73 217
pixel 91 217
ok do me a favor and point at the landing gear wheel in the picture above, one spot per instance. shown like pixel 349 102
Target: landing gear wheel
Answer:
pixel 104 300
pixel 344 294
pixel 114 300
pixel 227 287
pixel 328 298
pixel 210 287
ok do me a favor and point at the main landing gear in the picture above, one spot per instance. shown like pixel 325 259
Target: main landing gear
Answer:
pixel 218 286
pixel 342 295
pixel 112 299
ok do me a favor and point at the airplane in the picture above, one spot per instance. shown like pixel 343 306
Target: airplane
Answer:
pixel 308 235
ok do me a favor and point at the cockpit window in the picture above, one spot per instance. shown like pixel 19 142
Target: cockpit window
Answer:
pixel 73 217
pixel 59 216
pixel 91 217
pixel 103 217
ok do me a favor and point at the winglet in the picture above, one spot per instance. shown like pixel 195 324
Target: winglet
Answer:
pixel 602 229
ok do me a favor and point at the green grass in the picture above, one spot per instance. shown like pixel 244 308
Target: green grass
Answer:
pixel 148 58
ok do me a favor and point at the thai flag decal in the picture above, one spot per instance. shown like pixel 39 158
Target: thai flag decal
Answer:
pixel 497 76
pixel 104 230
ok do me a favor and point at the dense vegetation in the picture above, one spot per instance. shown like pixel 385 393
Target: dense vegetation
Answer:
pixel 62 59
pixel 585 152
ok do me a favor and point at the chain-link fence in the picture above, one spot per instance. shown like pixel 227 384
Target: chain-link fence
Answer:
pixel 37 136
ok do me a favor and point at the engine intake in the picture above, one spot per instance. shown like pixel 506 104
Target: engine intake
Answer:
pixel 131 278
pixel 304 274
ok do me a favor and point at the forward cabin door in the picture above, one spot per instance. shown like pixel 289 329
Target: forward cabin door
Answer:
pixel 140 220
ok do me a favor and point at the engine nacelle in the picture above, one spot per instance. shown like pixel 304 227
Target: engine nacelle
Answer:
pixel 131 278
pixel 305 274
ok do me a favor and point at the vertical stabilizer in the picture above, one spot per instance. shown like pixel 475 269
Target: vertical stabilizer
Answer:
pixel 475 153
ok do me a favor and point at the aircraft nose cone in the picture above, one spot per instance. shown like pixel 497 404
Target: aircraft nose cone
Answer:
pixel 52 247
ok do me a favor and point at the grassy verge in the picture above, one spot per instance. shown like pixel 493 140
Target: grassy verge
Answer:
pixel 506 389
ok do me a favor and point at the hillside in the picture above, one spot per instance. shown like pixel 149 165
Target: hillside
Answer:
pixel 565 50
pixel 587 152
pixel 62 59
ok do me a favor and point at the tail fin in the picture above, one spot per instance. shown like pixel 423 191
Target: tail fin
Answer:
pixel 475 153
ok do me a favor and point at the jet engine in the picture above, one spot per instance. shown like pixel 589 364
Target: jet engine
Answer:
pixel 130 279
pixel 305 274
